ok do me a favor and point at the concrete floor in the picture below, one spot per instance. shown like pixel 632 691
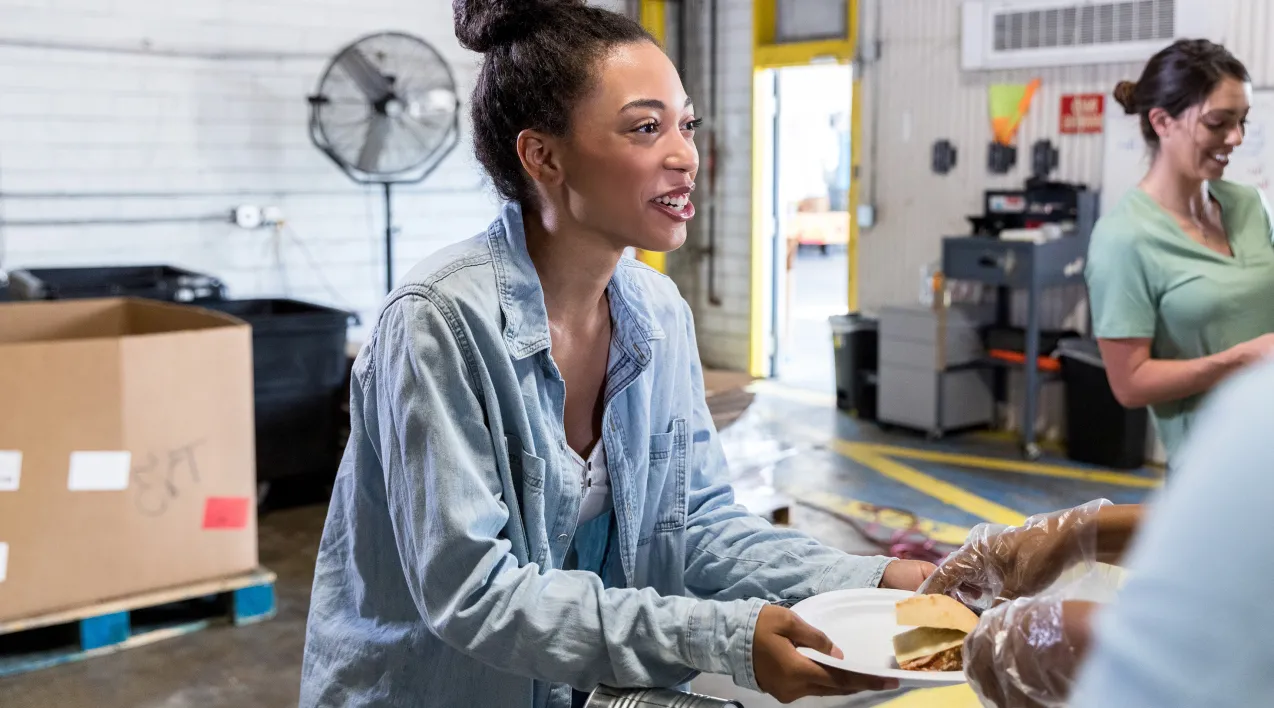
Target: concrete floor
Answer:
pixel 791 439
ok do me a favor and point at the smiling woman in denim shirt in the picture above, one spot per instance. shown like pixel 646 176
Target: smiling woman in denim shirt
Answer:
pixel 534 501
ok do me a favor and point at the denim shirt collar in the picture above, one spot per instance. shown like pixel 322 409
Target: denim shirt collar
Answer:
pixel 526 325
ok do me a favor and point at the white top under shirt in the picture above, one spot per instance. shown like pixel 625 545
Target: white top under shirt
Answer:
pixel 594 480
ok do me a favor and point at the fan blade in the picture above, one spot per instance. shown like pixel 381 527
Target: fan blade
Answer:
pixel 375 85
pixel 423 133
pixel 374 143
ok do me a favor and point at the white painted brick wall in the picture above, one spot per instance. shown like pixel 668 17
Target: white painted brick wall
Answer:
pixel 723 330
pixel 213 134
pixel 228 132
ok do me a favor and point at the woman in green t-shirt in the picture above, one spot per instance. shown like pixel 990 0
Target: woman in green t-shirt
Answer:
pixel 1181 272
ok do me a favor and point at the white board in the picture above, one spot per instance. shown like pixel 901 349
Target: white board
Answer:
pixel 1126 159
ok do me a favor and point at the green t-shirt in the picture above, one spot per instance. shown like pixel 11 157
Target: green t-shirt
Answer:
pixel 1148 280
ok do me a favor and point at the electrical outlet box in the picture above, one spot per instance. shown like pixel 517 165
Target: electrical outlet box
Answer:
pixel 866 216
pixel 247 216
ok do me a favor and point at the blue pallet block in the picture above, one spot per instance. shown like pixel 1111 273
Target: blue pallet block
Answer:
pixel 254 604
pixel 240 600
pixel 103 631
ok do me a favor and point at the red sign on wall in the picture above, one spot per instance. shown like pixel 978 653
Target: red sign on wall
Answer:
pixel 1082 113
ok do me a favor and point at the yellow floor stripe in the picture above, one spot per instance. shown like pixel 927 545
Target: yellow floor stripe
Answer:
pixel 813 398
pixel 944 492
pixel 1015 466
pixel 1012 437
pixel 948 534
pixel 947 697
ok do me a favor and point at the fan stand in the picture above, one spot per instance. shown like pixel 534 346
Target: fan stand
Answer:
pixel 389 238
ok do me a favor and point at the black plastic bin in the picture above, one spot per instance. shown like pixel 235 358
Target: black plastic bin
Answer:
pixel 154 282
pixel 1099 430
pixel 855 341
pixel 299 366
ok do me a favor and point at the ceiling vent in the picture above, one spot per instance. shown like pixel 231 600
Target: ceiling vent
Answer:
pixel 1007 34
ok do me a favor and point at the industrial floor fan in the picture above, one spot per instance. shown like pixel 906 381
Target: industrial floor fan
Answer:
pixel 386 112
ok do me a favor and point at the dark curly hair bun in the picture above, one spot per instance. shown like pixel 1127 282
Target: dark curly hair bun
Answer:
pixel 482 25
pixel 540 57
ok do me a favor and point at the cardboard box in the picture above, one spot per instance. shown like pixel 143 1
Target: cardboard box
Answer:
pixel 126 451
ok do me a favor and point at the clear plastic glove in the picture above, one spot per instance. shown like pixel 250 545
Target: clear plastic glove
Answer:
pixel 1000 563
pixel 1026 653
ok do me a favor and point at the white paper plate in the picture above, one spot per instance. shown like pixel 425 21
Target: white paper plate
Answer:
pixel 861 624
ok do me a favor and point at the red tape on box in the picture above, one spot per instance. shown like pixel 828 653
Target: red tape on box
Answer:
pixel 226 512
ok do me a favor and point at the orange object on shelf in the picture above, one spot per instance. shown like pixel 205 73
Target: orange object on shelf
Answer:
pixel 1043 363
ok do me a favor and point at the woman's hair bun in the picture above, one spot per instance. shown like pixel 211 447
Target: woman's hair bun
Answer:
pixel 482 25
pixel 1126 95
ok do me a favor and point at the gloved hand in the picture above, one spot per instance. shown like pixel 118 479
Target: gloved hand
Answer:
pixel 999 563
pixel 1025 653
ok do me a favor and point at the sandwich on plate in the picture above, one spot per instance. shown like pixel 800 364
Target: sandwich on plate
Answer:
pixel 936 642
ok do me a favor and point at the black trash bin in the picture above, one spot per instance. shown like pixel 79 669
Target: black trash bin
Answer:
pixel 153 282
pixel 1099 430
pixel 298 362
pixel 855 341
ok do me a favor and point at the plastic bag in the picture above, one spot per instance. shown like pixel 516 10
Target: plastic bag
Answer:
pixel 1026 653
pixel 997 563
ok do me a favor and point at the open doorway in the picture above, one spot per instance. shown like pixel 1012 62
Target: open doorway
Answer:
pixel 806 173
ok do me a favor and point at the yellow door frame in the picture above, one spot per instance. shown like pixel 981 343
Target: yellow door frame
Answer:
pixel 653 15
pixel 768 53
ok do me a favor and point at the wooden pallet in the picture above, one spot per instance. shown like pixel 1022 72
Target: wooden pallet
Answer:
pixel 63 637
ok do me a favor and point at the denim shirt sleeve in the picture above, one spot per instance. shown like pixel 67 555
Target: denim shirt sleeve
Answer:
pixel 444 493
pixel 734 554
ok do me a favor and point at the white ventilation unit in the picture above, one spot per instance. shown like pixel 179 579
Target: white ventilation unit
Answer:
pixel 1015 34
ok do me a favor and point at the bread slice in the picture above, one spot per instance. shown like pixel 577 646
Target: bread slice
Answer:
pixel 936 611
pixel 936 643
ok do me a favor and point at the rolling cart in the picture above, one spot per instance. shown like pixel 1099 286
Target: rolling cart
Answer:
pixel 1019 265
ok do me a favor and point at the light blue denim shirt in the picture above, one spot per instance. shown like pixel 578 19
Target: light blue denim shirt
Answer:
pixel 439 579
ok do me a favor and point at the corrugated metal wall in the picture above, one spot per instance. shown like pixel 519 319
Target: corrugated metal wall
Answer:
pixel 924 96
pixel 1247 34
pixel 917 94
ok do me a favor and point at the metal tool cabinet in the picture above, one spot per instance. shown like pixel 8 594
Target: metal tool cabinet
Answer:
pixel 932 371
pixel 1019 265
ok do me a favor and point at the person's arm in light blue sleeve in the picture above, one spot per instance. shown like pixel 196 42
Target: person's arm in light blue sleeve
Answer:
pixel 1194 625
pixel 445 496
pixel 733 554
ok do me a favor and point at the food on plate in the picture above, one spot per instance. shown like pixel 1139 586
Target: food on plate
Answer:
pixel 936 611
pixel 936 643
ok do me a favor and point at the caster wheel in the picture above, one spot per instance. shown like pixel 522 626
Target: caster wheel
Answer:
pixel 933 435
pixel 263 491
pixel 1031 451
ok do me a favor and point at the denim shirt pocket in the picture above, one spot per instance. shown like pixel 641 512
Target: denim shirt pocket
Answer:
pixel 528 483
pixel 668 468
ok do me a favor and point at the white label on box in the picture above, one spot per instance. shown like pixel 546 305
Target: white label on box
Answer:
pixel 10 470
pixel 100 471
pixel 4 561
